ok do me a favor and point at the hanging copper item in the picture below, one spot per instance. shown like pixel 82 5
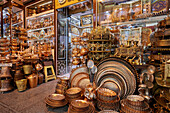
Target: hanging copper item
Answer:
pixel 33 80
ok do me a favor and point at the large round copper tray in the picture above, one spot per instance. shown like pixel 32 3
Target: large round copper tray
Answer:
pixel 78 70
pixel 120 82
pixel 83 82
pixel 77 77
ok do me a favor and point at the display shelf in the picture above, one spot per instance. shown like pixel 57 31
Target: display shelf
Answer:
pixel 147 20
pixel 17 23
pixel 32 30
pixel 80 26
pixel 50 12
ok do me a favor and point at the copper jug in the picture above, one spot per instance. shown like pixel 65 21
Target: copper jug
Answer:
pixel 33 80
pixel 5 73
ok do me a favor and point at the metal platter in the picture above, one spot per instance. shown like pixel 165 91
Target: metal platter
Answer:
pixel 123 73
pixel 127 64
pixel 83 82
pixel 77 77
pixel 78 70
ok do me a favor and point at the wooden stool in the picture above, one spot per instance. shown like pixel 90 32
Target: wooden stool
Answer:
pixel 48 65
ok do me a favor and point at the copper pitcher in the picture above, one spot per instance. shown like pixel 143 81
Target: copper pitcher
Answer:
pixel 5 73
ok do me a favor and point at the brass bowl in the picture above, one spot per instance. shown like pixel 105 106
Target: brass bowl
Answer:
pixel 76 61
pixel 106 94
pixel 135 100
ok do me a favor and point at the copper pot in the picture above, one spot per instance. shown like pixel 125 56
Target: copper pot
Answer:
pixel 5 73
pixel 33 80
pixel 5 85
pixel 18 75
pixel 76 61
pixel 84 51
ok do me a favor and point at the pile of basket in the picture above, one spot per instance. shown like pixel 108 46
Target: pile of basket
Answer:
pixel 74 93
pixel 81 106
pixel 62 85
pixel 107 99
pixel 56 100
pixel 134 104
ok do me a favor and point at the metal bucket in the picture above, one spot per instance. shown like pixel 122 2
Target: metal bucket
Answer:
pixel 27 69
pixel 21 84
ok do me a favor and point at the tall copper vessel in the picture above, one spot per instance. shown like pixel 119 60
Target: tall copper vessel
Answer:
pixel 33 80
pixel 5 79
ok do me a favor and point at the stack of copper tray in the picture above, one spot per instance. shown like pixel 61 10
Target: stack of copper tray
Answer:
pixel 74 93
pixel 134 104
pixel 81 106
pixel 107 99
pixel 56 100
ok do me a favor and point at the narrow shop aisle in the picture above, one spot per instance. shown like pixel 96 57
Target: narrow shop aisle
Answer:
pixel 29 101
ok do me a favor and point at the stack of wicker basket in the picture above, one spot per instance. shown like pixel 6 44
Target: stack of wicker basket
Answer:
pixel 134 104
pixel 107 99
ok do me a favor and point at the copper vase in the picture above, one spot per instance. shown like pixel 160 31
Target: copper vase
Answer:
pixel 33 80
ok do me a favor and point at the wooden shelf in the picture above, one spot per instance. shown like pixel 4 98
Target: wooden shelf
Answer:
pixel 100 51
pixel 147 20
pixel 99 40
pixel 41 14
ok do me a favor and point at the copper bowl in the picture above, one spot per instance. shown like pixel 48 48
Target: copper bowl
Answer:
pixel 84 51
pixel 80 105
pixel 76 61
pixel 73 92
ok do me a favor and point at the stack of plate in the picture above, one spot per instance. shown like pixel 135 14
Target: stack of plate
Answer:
pixel 135 104
pixel 74 93
pixel 81 106
pixel 4 50
pixel 116 74
pixel 56 100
